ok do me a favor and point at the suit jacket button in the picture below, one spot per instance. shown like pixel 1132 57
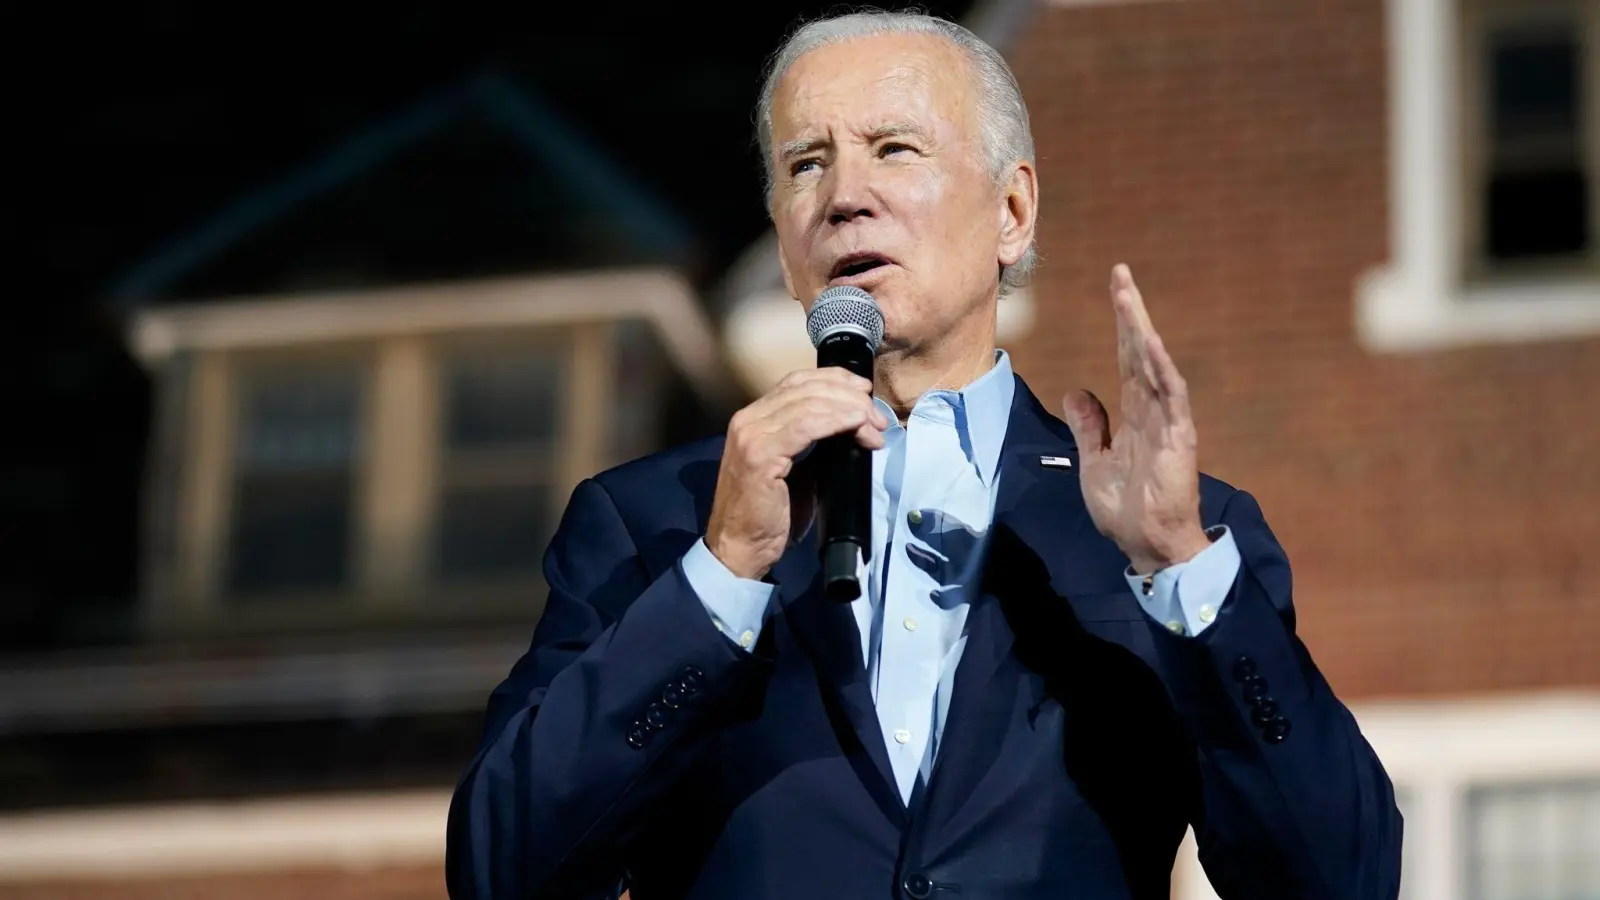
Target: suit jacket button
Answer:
pixel 918 886
pixel 692 680
pixel 638 736
pixel 656 716
pixel 1265 711
pixel 673 696
pixel 1255 688
pixel 1243 668
pixel 1277 731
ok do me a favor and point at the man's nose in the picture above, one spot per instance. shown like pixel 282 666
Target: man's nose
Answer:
pixel 852 195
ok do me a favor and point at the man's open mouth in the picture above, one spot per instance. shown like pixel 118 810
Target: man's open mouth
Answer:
pixel 857 264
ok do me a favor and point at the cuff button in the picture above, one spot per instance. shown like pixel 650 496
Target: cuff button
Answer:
pixel 638 736
pixel 1244 668
pixel 1277 732
pixel 1255 689
pixel 656 717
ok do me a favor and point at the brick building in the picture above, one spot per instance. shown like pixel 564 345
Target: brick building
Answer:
pixel 1398 381
pixel 1370 234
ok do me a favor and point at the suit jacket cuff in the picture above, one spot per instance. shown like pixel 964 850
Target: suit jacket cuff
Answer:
pixel 1242 679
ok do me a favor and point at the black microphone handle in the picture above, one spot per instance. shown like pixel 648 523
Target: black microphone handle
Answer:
pixel 844 480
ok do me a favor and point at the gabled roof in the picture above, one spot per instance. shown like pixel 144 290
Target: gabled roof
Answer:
pixel 505 163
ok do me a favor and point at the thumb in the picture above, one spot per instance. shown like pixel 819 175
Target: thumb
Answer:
pixel 1086 416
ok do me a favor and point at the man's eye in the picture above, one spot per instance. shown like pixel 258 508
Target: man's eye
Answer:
pixel 887 149
pixel 800 167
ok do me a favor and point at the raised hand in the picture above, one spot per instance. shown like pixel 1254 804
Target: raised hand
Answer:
pixel 753 515
pixel 1142 484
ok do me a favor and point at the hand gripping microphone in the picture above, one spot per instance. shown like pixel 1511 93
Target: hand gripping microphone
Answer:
pixel 846 327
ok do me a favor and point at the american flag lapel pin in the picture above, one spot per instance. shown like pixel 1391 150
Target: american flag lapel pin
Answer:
pixel 1055 462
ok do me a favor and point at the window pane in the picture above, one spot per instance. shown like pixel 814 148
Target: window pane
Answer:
pixel 503 398
pixel 1538 214
pixel 487 532
pixel 1537 191
pixel 1535 81
pixel 502 419
pixel 1534 842
pixel 296 447
pixel 642 383
pixel 299 420
pixel 290 532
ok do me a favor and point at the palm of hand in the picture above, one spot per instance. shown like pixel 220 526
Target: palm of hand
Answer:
pixel 1141 484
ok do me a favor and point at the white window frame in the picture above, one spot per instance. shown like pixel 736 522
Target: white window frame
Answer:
pixel 1439 750
pixel 1419 300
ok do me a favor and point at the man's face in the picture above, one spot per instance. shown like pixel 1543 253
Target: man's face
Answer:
pixel 880 181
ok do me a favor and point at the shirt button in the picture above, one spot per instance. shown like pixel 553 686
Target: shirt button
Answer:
pixel 746 639
pixel 914 517
pixel 901 736
pixel 910 623
pixel 1175 627
pixel 1207 613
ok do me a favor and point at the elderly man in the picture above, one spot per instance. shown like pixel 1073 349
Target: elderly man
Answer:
pixel 1071 646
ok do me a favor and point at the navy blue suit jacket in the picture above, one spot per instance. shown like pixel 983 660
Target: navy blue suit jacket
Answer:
pixel 635 744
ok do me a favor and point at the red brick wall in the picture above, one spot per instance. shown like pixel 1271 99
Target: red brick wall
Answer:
pixel 1441 510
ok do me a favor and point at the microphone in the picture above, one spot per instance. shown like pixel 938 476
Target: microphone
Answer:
pixel 846 327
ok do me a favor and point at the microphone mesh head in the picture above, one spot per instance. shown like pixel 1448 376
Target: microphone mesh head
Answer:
pixel 845 308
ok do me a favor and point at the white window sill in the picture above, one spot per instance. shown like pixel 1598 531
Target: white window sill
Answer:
pixel 1397 314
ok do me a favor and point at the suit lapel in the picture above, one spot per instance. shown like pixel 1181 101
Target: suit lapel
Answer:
pixel 1038 514
pixel 826 630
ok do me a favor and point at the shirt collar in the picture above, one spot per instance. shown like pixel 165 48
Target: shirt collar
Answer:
pixel 980 413
pixel 987 403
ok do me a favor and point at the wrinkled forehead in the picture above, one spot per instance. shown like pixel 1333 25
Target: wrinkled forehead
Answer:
pixel 867 84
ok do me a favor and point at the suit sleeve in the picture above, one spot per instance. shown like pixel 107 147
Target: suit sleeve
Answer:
pixel 1293 801
pixel 612 702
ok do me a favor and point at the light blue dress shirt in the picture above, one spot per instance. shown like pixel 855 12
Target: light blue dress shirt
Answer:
pixel 934 488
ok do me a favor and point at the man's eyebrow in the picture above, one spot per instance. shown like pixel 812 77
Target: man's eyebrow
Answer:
pixel 791 149
pixel 897 129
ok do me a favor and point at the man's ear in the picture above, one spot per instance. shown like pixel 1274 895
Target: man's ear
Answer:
pixel 1019 213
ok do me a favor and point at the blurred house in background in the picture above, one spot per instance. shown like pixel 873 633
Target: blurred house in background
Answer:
pixel 1369 230
pixel 362 445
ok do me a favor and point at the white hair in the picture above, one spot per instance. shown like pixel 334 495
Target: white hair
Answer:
pixel 1002 114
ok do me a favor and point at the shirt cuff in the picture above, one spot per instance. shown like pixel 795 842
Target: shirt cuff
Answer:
pixel 1188 597
pixel 737 605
